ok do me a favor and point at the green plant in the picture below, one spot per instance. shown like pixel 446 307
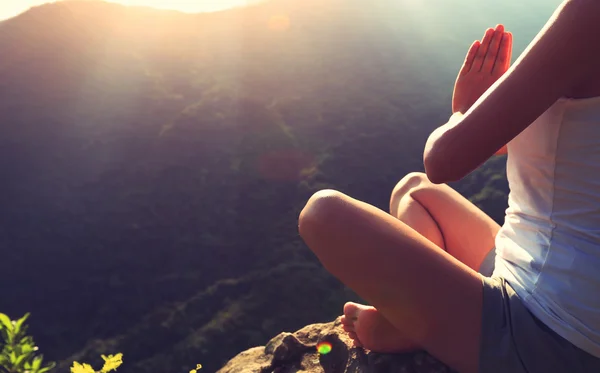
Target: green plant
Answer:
pixel 111 362
pixel 18 352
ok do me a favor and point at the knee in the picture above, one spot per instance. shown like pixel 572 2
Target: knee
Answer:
pixel 409 182
pixel 321 209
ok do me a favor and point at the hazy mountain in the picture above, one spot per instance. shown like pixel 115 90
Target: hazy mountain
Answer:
pixel 147 155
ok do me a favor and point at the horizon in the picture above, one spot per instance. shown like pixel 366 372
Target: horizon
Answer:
pixel 13 8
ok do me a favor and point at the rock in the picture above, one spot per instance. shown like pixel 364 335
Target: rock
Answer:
pixel 296 352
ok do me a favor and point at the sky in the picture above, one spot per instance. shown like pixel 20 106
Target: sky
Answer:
pixel 11 8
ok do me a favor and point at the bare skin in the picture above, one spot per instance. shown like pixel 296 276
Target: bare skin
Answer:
pixel 486 61
pixel 447 219
pixel 438 212
pixel 420 288
pixel 432 297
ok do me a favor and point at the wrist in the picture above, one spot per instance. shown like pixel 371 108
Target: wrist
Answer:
pixel 454 120
pixel 455 116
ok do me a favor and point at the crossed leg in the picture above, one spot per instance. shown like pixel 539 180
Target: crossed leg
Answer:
pixel 415 276
pixel 445 217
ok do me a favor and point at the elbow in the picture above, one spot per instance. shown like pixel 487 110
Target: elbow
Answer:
pixel 444 161
pixel 436 179
pixel 434 174
pixel 440 171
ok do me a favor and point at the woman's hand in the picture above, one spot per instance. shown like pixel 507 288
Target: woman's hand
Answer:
pixel 559 59
pixel 485 63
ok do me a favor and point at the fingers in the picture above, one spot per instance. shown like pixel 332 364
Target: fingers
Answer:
pixel 483 48
pixel 466 67
pixel 504 54
pixel 492 53
pixel 510 48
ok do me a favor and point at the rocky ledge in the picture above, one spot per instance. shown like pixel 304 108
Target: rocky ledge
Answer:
pixel 297 352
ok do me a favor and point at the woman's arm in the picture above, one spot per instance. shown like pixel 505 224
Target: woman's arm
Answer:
pixel 560 57
pixel 455 118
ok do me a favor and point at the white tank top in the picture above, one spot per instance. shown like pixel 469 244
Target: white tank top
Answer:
pixel 549 247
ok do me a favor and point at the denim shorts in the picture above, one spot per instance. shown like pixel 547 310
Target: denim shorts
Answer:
pixel 513 340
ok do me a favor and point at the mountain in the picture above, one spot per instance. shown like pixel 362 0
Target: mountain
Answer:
pixel 156 161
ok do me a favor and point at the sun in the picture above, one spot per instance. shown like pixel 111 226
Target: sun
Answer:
pixel 190 6
pixel 11 8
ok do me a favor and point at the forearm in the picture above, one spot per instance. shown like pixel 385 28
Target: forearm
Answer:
pixel 434 150
pixel 438 133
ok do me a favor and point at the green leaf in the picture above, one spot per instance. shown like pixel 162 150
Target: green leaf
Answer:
pixel 17 350
pixel 20 322
pixel 46 368
pixel 37 363
pixel 20 359
pixel 27 348
pixel 5 321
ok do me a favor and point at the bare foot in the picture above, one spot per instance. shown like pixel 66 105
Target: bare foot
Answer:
pixel 370 330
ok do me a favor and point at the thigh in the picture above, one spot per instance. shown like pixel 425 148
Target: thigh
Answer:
pixel 426 293
pixel 468 232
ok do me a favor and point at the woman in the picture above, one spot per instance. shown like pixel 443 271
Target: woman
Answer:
pixel 418 266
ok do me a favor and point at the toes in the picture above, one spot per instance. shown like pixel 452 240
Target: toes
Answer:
pixel 346 320
pixel 355 341
pixel 351 311
pixel 349 328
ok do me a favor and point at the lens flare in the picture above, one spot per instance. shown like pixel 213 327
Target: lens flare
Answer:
pixel 324 348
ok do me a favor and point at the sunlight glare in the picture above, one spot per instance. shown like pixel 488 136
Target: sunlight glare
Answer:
pixel 279 22
pixel 11 8
pixel 190 6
